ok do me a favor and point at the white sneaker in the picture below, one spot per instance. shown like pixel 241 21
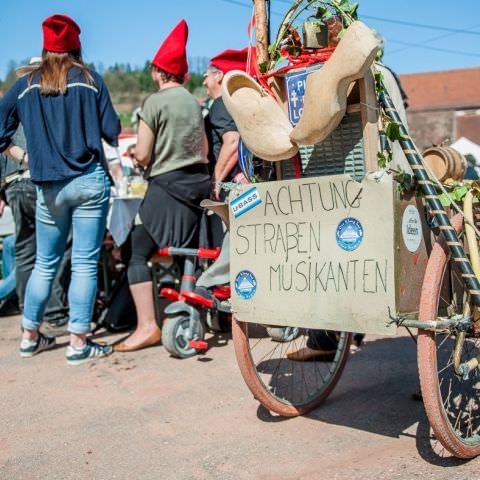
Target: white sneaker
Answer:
pixel 90 351
pixel 29 348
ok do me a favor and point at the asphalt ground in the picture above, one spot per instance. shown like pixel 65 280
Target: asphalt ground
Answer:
pixel 146 415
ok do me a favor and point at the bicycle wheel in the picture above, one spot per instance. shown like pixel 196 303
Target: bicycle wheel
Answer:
pixel 287 387
pixel 452 403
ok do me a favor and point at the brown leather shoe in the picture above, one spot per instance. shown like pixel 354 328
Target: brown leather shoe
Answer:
pixel 306 354
pixel 150 341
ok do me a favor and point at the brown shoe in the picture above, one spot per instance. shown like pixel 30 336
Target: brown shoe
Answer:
pixel 150 341
pixel 306 354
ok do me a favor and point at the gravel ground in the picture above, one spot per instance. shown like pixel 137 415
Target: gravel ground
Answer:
pixel 146 415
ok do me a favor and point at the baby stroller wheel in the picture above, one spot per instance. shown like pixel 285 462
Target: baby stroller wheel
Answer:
pixel 176 336
pixel 283 334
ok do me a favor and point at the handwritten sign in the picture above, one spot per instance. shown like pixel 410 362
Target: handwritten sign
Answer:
pixel 316 253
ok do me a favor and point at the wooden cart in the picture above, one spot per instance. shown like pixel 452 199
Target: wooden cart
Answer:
pixel 396 242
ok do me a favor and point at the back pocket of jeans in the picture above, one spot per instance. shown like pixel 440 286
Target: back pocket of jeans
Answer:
pixel 91 187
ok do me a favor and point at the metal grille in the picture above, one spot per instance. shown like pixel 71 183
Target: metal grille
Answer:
pixel 341 152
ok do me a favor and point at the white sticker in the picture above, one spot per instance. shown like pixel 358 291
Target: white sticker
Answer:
pixel 245 202
pixel 411 228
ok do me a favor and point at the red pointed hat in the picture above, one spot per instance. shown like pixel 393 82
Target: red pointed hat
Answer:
pixel 234 60
pixel 60 34
pixel 172 54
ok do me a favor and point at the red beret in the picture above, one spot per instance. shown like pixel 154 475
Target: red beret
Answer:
pixel 234 60
pixel 171 57
pixel 60 34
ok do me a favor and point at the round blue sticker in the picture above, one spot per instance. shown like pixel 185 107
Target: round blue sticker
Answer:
pixel 349 234
pixel 245 284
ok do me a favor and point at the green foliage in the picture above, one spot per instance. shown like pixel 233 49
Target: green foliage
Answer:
pixel 406 182
pixel 195 81
pixel 275 56
pixel 263 67
pixel 322 13
pixel 319 9
pixel 393 130
pixel 125 119
pixel 379 88
pixel 128 86
pixel 457 194
pixel 293 50
pixel 382 159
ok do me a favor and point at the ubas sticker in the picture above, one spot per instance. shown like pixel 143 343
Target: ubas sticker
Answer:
pixel 245 284
pixel 411 228
pixel 245 202
pixel 349 234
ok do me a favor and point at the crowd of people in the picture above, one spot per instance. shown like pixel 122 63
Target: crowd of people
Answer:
pixel 56 125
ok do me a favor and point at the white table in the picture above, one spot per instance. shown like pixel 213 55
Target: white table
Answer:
pixel 121 217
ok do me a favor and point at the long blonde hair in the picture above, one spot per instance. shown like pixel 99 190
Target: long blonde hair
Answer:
pixel 54 69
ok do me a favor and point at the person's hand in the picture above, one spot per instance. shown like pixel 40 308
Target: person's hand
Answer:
pixel 3 204
pixel 216 193
pixel 140 168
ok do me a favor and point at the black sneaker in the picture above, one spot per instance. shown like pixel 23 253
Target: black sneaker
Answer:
pixel 29 348
pixel 90 351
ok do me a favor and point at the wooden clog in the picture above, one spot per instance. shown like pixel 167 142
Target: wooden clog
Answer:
pixel 261 122
pixel 325 100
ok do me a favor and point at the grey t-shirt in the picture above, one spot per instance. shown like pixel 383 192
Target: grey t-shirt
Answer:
pixel 175 118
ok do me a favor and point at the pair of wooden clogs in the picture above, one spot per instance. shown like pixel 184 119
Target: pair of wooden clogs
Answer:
pixel 263 125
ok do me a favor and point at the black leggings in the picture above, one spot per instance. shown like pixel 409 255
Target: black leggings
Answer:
pixel 143 247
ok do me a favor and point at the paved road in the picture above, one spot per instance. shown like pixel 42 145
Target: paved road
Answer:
pixel 148 416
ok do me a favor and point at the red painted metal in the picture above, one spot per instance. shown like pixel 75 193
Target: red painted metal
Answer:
pixel 169 293
pixel 209 253
pixel 198 344
pixel 197 299
pixel 164 252
pixel 222 293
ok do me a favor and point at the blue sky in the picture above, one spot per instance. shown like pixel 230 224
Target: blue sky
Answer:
pixel 131 31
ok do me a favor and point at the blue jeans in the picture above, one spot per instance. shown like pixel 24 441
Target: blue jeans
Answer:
pixel 82 204
pixel 7 284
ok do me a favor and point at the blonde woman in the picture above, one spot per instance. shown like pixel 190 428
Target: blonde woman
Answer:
pixel 65 111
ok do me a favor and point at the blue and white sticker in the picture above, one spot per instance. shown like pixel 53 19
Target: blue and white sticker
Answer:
pixel 245 202
pixel 245 284
pixel 349 234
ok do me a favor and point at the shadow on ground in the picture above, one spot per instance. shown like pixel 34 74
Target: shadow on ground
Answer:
pixel 379 393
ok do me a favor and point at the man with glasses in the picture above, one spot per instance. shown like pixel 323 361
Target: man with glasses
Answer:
pixel 222 133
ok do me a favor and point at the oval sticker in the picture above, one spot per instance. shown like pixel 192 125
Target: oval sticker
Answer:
pixel 245 284
pixel 411 228
pixel 349 234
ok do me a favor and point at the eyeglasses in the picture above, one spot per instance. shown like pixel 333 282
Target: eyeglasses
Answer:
pixel 212 71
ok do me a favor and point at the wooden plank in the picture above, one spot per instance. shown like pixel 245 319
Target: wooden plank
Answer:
pixel 369 111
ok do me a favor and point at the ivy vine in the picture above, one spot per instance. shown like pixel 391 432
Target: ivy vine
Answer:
pixel 321 10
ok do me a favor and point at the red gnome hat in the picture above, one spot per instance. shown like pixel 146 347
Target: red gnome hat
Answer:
pixel 60 34
pixel 172 55
pixel 234 60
